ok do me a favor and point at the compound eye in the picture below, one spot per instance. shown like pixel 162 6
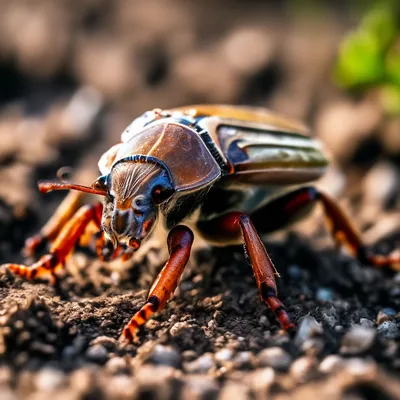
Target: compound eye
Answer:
pixel 161 194
pixel 100 183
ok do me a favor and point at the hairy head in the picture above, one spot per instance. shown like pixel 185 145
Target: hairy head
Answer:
pixel 135 191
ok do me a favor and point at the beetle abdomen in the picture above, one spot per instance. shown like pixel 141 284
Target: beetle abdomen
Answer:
pixel 260 146
pixel 264 156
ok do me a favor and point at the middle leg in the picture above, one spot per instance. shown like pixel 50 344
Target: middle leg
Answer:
pixel 231 226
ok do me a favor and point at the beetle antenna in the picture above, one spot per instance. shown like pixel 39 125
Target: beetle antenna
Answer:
pixel 49 186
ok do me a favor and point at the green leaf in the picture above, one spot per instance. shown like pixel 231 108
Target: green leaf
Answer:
pixel 392 64
pixel 360 60
pixel 390 95
pixel 380 23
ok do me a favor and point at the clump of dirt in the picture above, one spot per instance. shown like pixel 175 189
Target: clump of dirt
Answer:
pixel 29 333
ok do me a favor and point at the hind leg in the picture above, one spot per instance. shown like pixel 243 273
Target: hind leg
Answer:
pixel 287 208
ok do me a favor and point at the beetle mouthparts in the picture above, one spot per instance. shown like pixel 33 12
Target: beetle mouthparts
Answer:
pixel 49 186
pixel 134 244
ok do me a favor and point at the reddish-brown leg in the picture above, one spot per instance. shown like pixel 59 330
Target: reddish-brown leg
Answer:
pixel 61 246
pixel 230 226
pixel 64 212
pixel 287 208
pixel 179 241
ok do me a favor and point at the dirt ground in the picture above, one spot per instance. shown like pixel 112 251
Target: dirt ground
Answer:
pixel 71 81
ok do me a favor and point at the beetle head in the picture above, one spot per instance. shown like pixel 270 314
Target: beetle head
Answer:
pixel 134 190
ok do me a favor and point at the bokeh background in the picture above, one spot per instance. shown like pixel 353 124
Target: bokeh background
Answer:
pixel 75 73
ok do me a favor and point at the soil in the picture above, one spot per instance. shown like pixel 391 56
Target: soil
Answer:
pixel 106 63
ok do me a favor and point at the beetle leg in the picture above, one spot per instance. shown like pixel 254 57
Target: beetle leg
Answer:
pixel 288 207
pixel 233 224
pixel 62 245
pixel 179 242
pixel 53 226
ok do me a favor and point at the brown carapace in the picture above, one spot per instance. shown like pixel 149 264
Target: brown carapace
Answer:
pixel 241 168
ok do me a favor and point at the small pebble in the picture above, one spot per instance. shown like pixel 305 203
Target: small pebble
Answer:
pixel 164 355
pixel 82 379
pixel 49 379
pixel 313 346
pixel 199 387
pixel 388 330
pixel 223 356
pixel 5 375
pixel 308 328
pixel 262 378
pixel 177 327
pixel 361 367
pixel 244 359
pixel 330 363
pixel 234 390
pixel 97 353
pixel 357 340
pixel 367 323
pixel 275 357
pixel 201 365
pixel 116 365
pixel 324 294
pixel 120 387
pixel 295 272
pixel 302 369
pixel 386 314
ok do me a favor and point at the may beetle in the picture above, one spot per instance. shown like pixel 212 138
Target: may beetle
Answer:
pixel 240 168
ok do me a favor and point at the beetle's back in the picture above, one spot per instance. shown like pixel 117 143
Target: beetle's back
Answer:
pixel 262 147
pixel 180 148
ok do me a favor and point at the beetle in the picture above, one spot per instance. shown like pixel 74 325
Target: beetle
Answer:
pixel 241 170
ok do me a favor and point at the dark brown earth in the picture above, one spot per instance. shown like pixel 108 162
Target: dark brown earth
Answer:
pixel 72 76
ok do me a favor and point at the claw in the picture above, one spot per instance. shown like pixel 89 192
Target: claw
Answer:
pixel 44 266
pixel 128 336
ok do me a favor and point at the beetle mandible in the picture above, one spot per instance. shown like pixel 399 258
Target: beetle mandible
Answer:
pixel 242 168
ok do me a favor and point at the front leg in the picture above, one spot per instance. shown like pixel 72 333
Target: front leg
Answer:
pixel 231 226
pixel 179 241
pixel 61 246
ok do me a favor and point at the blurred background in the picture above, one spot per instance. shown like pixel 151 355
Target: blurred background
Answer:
pixel 74 74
